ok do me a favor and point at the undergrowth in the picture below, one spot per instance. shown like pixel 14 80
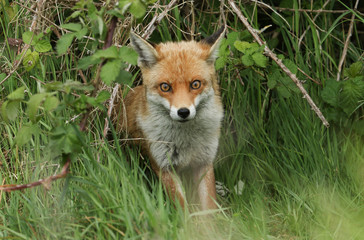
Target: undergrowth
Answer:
pixel 282 173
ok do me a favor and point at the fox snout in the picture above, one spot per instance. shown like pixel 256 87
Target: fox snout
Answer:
pixel 183 114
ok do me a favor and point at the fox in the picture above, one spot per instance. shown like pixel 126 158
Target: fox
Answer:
pixel 175 115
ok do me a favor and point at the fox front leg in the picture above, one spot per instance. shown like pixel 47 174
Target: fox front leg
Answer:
pixel 172 184
pixel 205 178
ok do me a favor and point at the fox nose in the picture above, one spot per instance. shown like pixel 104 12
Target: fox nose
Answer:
pixel 183 112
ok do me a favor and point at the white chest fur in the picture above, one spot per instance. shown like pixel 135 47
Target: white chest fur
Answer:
pixel 182 144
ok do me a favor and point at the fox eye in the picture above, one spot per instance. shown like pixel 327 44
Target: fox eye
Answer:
pixel 196 84
pixel 165 87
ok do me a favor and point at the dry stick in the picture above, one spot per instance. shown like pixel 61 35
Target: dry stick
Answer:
pixel 313 80
pixel 273 56
pixel 314 19
pixel 149 30
pixel 346 45
pixel 157 19
pixel 264 5
pixel 47 181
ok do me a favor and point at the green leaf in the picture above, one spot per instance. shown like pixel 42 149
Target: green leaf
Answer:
pixel 115 12
pixel 241 46
pixel 18 94
pixel 25 134
pixel 330 93
pixel 110 71
pixel 53 86
pixel 271 83
pixel 2 76
pixel 43 46
pixel 33 105
pixel 354 70
pixel 224 51
pixel 111 52
pixel 283 91
pixel 129 55
pixel 29 38
pixel 64 42
pixel 86 62
pixel 30 60
pixel 247 60
pixel 9 110
pixel 50 103
pixel 232 37
pixel 280 56
pixel 220 63
pixel 80 34
pixel 65 140
pixel 74 85
pixel 124 5
pixel 290 65
pixel 74 14
pixel 137 8
pixel 124 77
pixel 260 60
pixel 352 93
pixel 102 96
pixel 10 11
pixel 273 78
pixel 72 26
pixel 288 83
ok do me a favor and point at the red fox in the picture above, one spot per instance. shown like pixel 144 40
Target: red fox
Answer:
pixel 176 114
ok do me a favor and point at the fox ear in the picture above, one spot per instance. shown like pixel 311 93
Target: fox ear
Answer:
pixel 147 54
pixel 214 41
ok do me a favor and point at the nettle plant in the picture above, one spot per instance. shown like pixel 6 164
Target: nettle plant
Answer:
pixel 345 99
pixel 249 55
pixel 84 28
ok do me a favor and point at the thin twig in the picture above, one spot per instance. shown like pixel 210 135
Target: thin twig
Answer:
pixel 111 106
pixel 157 19
pixel 313 80
pixel 346 45
pixel 45 182
pixel 274 57
pixel 222 18
pixel 264 5
pixel 314 19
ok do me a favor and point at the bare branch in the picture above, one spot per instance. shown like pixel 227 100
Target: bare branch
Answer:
pixel 274 57
pixel 45 182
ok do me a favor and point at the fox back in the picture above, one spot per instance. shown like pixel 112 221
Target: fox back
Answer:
pixel 176 113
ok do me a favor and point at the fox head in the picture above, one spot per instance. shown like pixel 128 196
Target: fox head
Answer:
pixel 179 75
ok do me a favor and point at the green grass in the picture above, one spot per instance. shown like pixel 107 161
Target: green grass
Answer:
pixel 301 180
